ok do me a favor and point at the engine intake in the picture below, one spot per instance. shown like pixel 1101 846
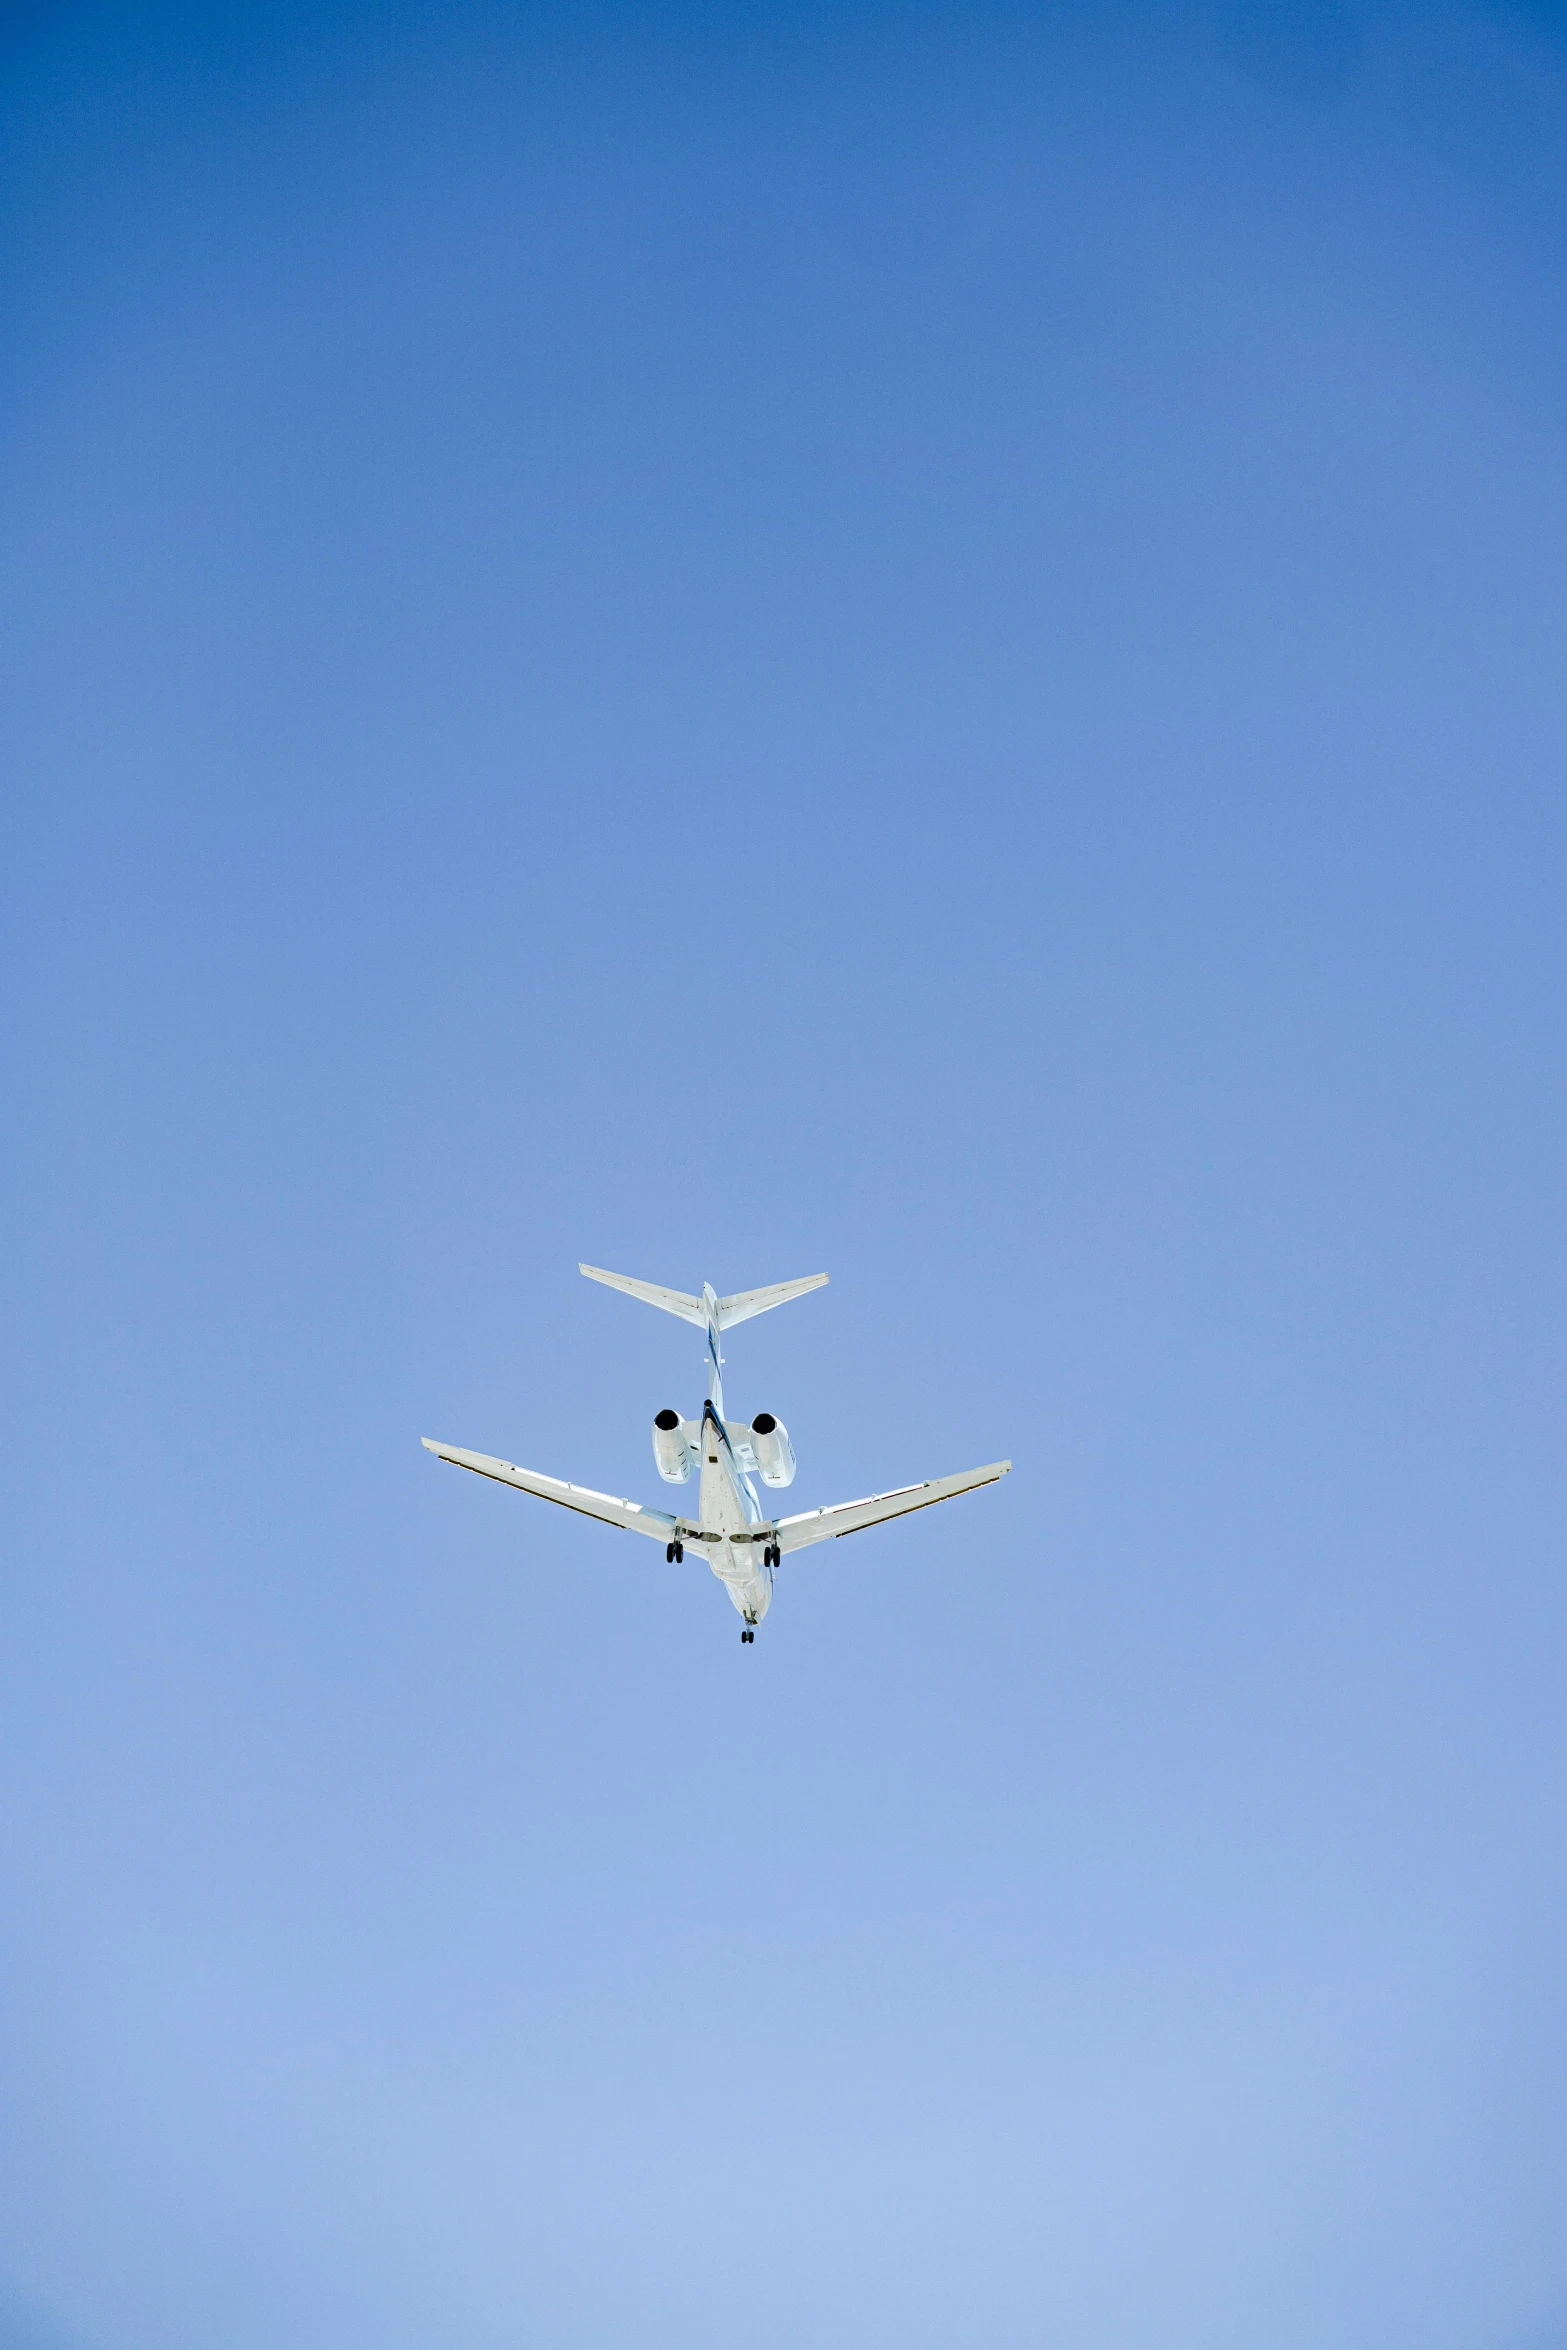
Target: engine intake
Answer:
pixel 675 1447
pixel 774 1453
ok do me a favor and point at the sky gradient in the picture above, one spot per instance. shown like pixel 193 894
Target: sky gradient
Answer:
pixel 920 642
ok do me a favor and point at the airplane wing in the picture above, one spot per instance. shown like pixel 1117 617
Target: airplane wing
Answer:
pixel 571 1497
pixel 850 1516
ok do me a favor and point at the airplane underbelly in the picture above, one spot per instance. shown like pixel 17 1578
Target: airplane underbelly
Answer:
pixel 749 1584
pixel 738 1565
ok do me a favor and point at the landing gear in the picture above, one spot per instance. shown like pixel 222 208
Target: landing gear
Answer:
pixel 674 1552
pixel 771 1555
pixel 747 1634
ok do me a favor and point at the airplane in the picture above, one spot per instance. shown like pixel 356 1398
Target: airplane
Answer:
pixel 743 1547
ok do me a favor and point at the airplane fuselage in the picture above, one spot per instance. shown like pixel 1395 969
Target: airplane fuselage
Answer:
pixel 729 1509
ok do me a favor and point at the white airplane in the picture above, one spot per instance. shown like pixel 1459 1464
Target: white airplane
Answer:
pixel 743 1548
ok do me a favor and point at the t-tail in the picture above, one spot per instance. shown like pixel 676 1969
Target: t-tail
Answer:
pixel 709 1312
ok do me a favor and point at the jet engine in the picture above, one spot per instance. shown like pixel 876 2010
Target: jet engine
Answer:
pixel 675 1447
pixel 774 1453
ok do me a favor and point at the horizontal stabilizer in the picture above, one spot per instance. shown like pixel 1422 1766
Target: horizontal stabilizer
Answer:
pixel 747 1302
pixel 604 1506
pixel 850 1516
pixel 673 1301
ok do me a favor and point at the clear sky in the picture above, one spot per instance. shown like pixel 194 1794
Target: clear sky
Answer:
pixel 922 642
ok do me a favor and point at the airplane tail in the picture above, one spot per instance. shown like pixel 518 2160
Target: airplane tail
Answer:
pixel 673 1301
pixel 707 1311
pixel 746 1302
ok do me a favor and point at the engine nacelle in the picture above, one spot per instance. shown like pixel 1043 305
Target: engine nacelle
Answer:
pixel 675 1443
pixel 774 1453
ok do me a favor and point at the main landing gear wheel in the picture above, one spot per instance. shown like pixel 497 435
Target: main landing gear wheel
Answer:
pixel 747 1634
pixel 674 1552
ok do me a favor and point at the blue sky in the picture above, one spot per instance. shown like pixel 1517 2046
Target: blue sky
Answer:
pixel 921 642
